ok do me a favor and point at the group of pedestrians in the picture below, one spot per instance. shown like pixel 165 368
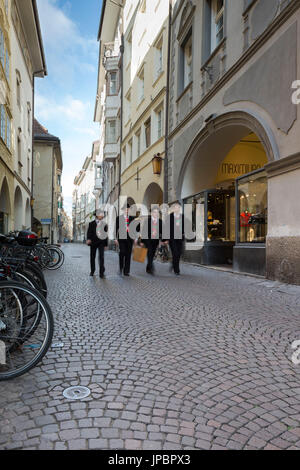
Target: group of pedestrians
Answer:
pixel 148 233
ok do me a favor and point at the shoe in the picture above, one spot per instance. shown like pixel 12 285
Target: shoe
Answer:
pixel 177 274
pixel 102 276
pixel 92 274
pixel 149 271
pixel 126 274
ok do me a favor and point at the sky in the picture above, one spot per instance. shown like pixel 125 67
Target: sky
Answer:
pixel 65 99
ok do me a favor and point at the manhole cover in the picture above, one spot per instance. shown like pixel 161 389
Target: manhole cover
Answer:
pixel 76 393
pixel 57 345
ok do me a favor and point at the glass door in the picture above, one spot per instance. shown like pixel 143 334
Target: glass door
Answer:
pixel 220 216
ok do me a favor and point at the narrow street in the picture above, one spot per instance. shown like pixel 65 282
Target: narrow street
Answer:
pixel 202 361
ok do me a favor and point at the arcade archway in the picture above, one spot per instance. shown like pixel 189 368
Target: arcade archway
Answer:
pixel 224 184
pixel 5 207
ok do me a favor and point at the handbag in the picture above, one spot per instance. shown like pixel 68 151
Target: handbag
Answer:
pixel 139 254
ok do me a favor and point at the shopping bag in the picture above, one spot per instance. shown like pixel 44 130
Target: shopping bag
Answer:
pixel 139 254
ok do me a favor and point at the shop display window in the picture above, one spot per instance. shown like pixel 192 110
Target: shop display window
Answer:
pixel 252 208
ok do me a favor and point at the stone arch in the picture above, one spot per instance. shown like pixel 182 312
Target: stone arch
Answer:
pixel 18 209
pixel 153 195
pixel 214 142
pixel 5 206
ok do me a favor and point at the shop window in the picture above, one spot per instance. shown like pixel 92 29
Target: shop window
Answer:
pixel 253 208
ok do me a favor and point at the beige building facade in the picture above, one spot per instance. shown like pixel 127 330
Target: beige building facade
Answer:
pixel 233 151
pixel 47 189
pixel 144 99
pixel 22 59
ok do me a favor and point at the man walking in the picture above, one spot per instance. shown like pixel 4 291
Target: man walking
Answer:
pixel 124 240
pixel 151 235
pixel 175 223
pixel 97 240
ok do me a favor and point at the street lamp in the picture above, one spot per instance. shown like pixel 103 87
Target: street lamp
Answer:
pixel 157 164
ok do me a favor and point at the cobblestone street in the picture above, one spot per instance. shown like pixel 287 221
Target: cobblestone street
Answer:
pixel 202 361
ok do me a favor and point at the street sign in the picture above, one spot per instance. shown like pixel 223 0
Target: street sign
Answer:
pixel 46 221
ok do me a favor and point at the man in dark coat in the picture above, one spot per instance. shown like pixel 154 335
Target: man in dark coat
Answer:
pixel 175 225
pixel 151 235
pixel 124 240
pixel 97 242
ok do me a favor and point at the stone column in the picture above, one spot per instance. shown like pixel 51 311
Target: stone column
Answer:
pixel 283 241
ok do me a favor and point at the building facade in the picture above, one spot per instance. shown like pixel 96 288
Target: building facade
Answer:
pixel 233 143
pixel 85 196
pixel 22 59
pixel 47 189
pixel 108 104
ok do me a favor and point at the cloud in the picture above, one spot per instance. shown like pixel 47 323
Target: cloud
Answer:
pixel 70 108
pixel 68 52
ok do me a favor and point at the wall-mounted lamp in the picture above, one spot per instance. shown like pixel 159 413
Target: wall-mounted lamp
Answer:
pixel 157 164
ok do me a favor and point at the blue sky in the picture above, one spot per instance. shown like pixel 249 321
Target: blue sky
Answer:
pixel 65 99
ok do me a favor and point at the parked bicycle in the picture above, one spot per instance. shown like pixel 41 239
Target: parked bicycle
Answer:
pixel 26 320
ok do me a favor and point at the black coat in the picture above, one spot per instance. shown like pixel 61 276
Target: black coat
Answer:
pixel 172 231
pixel 121 232
pixel 92 235
pixel 147 231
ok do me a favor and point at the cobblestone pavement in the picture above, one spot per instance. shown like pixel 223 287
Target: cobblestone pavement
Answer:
pixel 202 361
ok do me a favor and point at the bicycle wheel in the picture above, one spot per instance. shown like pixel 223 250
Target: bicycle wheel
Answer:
pixel 26 328
pixel 57 257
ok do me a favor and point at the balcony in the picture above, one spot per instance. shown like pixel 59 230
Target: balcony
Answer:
pixel 111 151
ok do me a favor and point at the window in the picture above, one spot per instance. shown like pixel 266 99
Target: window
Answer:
pixel 124 164
pixel 128 49
pixel 7 66
pixel 253 208
pixel 113 85
pixel 29 117
pixel 3 122
pixel 141 86
pixel 8 133
pixel 127 107
pixel 159 123
pixel 138 143
pixel 130 151
pixel 158 62
pixel 18 80
pixel 111 132
pixel 2 48
pixel 5 127
pixel 148 133
pixel 186 60
pixel 217 23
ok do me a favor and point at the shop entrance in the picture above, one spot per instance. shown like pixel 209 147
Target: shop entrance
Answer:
pixel 230 219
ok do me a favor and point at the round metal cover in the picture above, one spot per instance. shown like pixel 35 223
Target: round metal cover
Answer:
pixel 76 393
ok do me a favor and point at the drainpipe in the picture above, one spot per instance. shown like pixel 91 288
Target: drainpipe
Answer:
pixel 32 148
pixel 166 163
pixel 121 119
